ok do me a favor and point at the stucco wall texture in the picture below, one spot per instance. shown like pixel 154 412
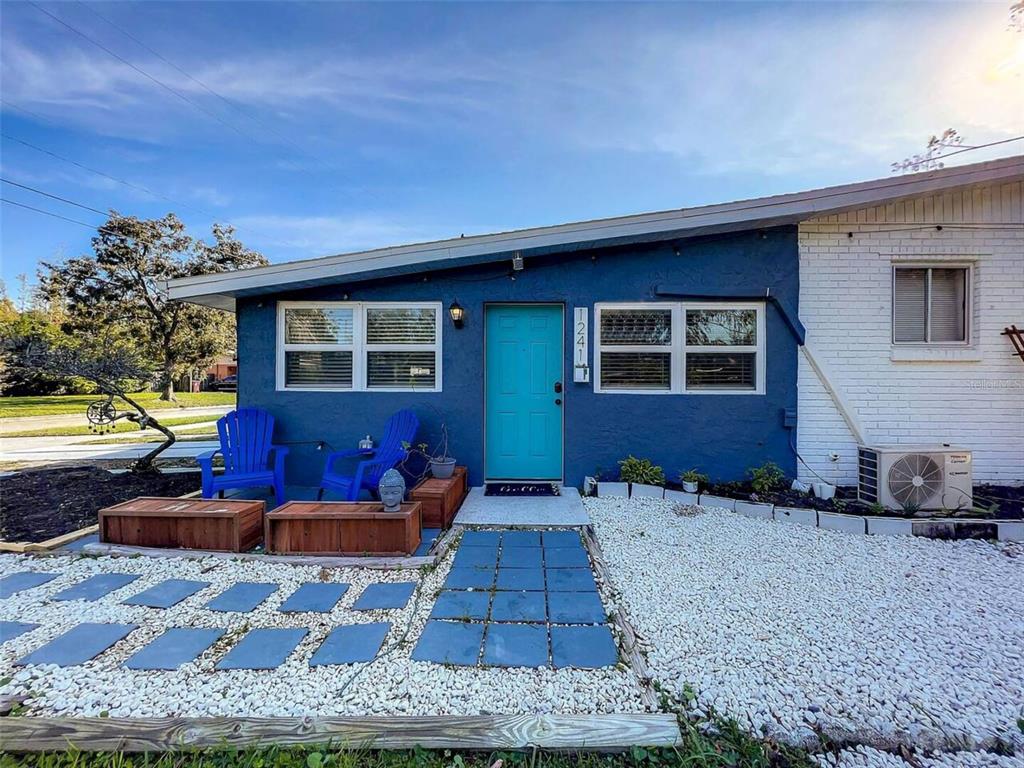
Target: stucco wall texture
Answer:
pixel 723 435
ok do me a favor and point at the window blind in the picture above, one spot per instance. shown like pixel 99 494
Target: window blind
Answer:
pixel 910 305
pixel 948 296
pixel 303 368
pixel 400 326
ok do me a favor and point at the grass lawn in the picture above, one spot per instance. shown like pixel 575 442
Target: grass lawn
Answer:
pixel 56 405
pixel 120 426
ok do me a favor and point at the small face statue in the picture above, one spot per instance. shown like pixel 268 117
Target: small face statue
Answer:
pixel 392 490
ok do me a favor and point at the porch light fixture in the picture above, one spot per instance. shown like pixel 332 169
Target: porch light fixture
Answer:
pixel 458 314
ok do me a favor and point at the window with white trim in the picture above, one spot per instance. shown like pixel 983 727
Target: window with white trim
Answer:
pixel 930 304
pixel 679 347
pixel 359 346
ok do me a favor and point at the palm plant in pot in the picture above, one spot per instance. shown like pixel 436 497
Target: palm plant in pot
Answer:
pixel 691 480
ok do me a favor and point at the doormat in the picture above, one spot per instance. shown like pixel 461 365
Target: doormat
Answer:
pixel 521 489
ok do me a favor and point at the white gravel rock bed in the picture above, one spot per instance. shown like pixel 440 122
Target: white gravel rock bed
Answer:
pixel 391 684
pixel 868 757
pixel 875 640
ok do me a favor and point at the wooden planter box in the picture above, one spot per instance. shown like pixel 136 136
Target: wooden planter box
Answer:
pixel 441 499
pixel 342 528
pixel 218 524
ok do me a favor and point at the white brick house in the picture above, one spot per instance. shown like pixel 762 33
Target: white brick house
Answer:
pixel 967 392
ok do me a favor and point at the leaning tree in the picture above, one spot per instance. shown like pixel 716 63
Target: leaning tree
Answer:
pixel 118 290
pixel 116 371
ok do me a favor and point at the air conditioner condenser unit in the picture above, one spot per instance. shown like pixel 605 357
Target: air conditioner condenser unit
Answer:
pixel 915 476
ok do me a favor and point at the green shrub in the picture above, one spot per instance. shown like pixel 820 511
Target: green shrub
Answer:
pixel 634 470
pixel 767 478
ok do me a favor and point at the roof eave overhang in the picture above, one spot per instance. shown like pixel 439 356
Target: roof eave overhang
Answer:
pixel 221 290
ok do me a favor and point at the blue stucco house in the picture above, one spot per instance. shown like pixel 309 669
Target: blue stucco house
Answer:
pixel 550 353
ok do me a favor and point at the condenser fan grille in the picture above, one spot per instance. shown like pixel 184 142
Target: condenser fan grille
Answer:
pixel 914 479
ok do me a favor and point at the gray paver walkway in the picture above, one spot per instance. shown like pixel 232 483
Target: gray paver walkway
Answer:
pixel 385 596
pixel 512 593
pixel 263 649
pixel 351 643
pixel 166 593
pixel 12 629
pixel 18 582
pixel 317 597
pixel 96 586
pixel 241 597
pixel 79 644
pixel 176 646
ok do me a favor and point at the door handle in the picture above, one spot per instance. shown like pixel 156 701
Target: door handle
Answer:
pixel 558 386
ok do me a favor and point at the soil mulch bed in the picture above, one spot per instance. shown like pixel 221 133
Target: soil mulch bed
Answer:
pixel 41 504
pixel 991 502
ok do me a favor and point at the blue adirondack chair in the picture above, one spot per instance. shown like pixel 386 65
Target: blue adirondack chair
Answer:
pixel 245 436
pixel 398 432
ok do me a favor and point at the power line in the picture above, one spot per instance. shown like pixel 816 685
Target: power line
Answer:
pixel 201 84
pixel 47 213
pixel 129 184
pixel 142 72
pixel 54 197
pixel 979 146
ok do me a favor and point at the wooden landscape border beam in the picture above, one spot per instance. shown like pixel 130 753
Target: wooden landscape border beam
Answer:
pixel 485 732
pixel 21 547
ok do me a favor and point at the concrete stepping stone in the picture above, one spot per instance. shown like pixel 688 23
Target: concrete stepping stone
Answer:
pixel 18 582
pixel 315 597
pixel 571 580
pixel 96 586
pixel 450 642
pixel 241 597
pixel 562 539
pixel 351 643
pixel 166 593
pixel 461 605
pixel 12 629
pixel 378 597
pixel 516 645
pixel 518 606
pixel 79 644
pixel 263 649
pixel 517 579
pixel 176 646
pixel 470 578
pixel 480 557
pixel 576 608
pixel 521 557
pixel 520 539
pixel 481 538
pixel 585 647
pixel 566 557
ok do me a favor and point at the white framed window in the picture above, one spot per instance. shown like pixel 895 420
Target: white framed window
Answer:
pixel 359 346
pixel 679 348
pixel 931 304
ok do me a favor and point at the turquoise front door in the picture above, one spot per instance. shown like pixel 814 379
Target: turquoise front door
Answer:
pixel 523 391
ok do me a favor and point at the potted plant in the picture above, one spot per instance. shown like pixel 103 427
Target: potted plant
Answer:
pixel 691 480
pixel 441 465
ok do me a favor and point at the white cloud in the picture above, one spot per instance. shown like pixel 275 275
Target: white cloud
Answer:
pixel 762 91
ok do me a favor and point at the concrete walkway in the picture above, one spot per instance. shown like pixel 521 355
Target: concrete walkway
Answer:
pixel 566 509
pixel 15 450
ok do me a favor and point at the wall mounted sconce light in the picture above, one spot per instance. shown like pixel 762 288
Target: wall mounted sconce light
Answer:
pixel 458 314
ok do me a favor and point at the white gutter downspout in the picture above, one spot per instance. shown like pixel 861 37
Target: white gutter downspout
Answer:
pixel 847 413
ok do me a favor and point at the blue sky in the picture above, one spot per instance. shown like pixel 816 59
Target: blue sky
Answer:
pixel 349 126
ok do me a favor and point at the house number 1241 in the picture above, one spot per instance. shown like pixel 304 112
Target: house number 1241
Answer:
pixel 580 368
